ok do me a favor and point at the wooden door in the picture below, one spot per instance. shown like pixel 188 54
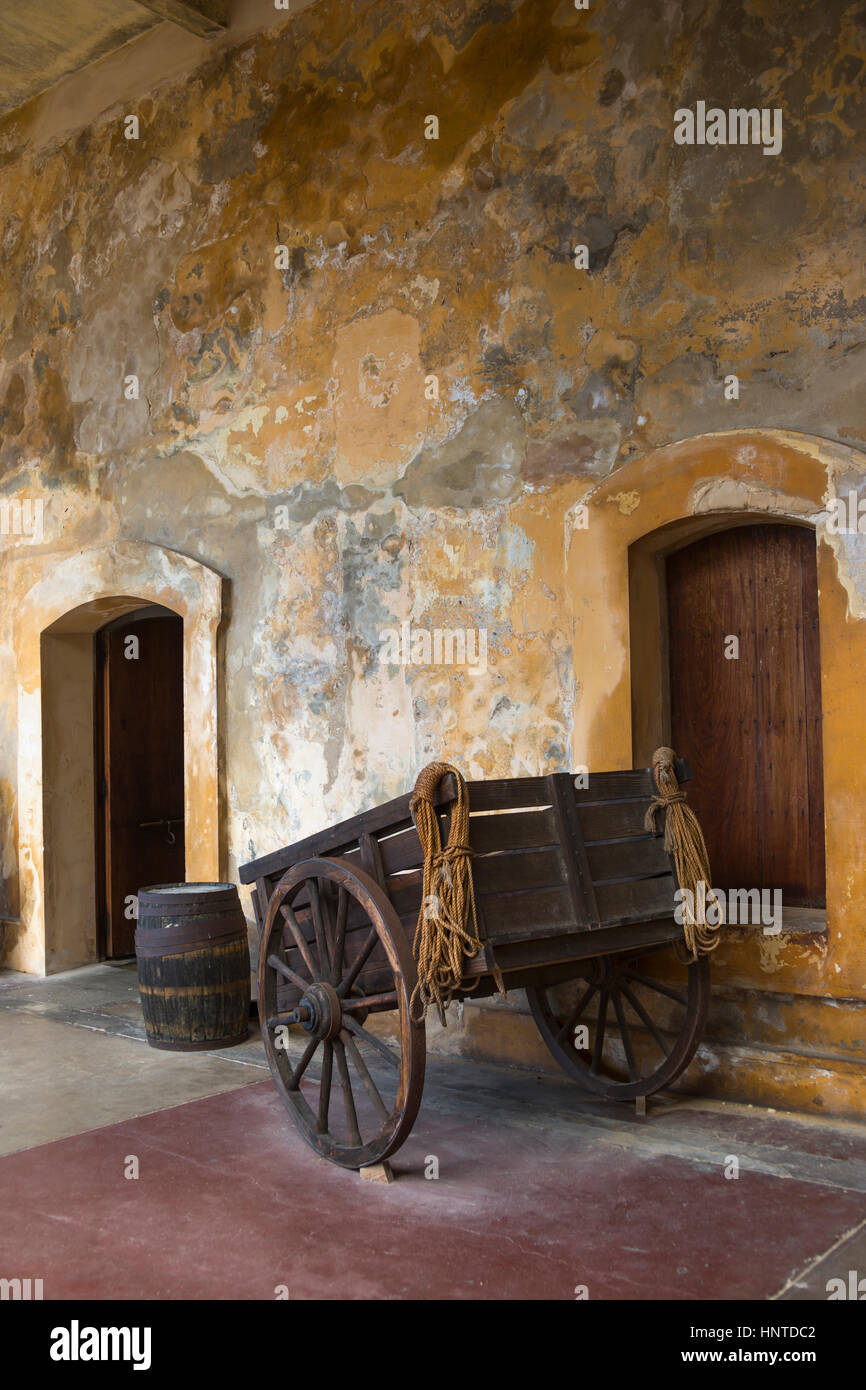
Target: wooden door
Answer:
pixel 139 743
pixel 751 726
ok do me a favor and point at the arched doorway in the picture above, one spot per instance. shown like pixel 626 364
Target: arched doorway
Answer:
pixel 787 1017
pixel 112 763
pixel 726 668
pixel 744 669
pixel 54 632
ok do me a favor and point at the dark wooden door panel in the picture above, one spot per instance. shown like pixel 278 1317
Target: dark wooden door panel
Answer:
pixel 142 772
pixel 788 713
pixel 751 726
pixel 711 597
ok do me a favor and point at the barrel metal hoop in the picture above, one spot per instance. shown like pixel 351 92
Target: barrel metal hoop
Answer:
pixel 175 947
pixel 204 1045
pixel 194 898
pixel 184 936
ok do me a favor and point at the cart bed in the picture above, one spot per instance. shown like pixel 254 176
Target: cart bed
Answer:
pixel 562 863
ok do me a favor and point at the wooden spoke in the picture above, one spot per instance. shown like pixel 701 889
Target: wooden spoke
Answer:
pixel 626 1037
pixel 348 1098
pixel 576 1012
pixel 644 1018
pixel 366 1079
pixel 312 907
pixel 340 935
pixel 370 1001
pixel 299 938
pixel 624 1061
pixel 306 1057
pixel 654 984
pixel 325 1088
pixel 346 984
pixel 317 908
pixel 600 1025
pixel 382 1048
pixel 282 969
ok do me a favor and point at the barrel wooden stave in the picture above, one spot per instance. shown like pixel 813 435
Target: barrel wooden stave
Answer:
pixel 193 966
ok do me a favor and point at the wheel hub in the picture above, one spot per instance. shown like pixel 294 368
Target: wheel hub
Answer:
pixel 324 1011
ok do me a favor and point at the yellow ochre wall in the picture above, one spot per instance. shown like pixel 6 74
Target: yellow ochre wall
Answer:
pixel 287 482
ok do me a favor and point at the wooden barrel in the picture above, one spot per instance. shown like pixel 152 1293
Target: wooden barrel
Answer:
pixel 193 966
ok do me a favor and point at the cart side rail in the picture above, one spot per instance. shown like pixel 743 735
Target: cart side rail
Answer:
pixel 550 859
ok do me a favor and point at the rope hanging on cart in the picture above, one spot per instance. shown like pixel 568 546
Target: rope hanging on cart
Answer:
pixel 443 936
pixel 684 839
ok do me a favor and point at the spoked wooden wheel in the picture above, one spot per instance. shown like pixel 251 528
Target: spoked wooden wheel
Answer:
pixel 336 960
pixel 619 1031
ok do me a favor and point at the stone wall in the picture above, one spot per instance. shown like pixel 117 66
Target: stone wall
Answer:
pixel 288 432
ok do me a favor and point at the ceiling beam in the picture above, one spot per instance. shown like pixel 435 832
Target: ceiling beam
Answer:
pixel 199 16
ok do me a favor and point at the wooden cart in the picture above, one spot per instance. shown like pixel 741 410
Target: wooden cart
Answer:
pixel 575 904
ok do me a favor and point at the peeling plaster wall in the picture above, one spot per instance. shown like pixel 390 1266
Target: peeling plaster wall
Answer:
pixel 284 434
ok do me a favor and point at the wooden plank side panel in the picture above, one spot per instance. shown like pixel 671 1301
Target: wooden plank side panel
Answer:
pixel 492 874
pixel 487 834
pixel 612 820
pixel 643 900
pixel 511 794
pixel 535 917
pixel 628 785
pixel 521 916
pixel 556 950
pixel 401 851
pixel 628 859
pixel 610 786
pixel 524 889
pixel 517 830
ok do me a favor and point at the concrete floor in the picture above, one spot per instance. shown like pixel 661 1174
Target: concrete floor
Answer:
pixel 540 1191
pixel 75 1057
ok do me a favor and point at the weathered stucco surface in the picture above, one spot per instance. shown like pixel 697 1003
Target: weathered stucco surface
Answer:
pixel 287 435
pixel 74 596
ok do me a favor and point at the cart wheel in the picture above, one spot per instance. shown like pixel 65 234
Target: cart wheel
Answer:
pixel 656 1026
pixel 333 953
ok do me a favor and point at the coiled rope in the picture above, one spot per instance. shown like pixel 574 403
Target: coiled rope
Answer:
pixel 443 936
pixel 684 839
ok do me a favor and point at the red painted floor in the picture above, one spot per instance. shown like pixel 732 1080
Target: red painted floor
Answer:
pixel 230 1203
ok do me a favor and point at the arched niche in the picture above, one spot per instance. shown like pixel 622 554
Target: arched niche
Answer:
pixel 53 633
pixel 682 491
